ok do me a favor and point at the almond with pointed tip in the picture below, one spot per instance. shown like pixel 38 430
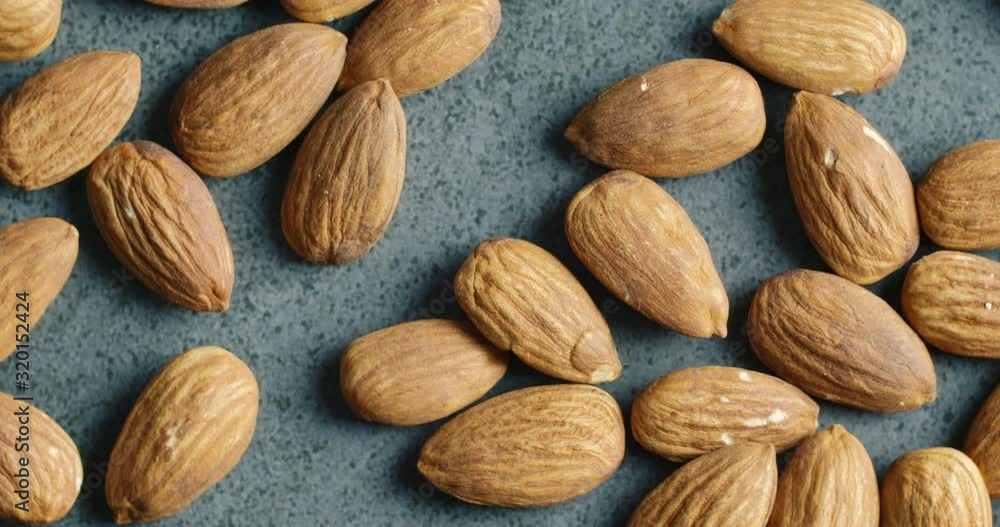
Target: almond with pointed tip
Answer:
pixel 27 27
pixel 321 11
pixel 983 442
pixel 959 198
pixel 936 487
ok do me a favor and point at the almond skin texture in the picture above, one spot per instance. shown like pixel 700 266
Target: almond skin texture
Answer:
pixel 188 429
pixel 952 300
pixel 323 10
pixel 731 487
pixel 853 193
pixel 58 121
pixel 419 45
pixel 693 411
pixel 55 470
pixel 983 442
pixel 27 27
pixel 649 253
pixel 249 100
pixel 936 487
pixel 959 197
pixel 197 4
pixel 347 177
pixel 525 300
pixel 528 448
pixel 829 482
pixel 160 221
pixel 682 118
pixel 824 46
pixel 839 342
pixel 36 257
pixel 419 372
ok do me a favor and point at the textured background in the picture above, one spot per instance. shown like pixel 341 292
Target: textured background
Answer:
pixel 486 159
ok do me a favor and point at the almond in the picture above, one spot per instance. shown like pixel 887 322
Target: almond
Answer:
pixel 418 372
pixel 936 487
pixel 824 46
pixel 959 195
pixel 829 481
pixel 188 429
pixel 160 221
pixel 197 4
pixel 249 100
pixel 678 119
pixel 694 411
pixel 731 487
pixel 347 177
pixel 58 121
pixel 36 258
pixel 837 341
pixel 649 253
pixel 528 448
pixel 524 300
pixel 983 442
pixel 952 300
pixel 323 10
pixel 419 45
pixel 852 191
pixel 27 27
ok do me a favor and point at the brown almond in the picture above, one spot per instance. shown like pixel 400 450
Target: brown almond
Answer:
pixel 983 442
pixel 528 448
pixel 649 253
pixel 197 4
pixel 323 10
pixel 57 122
pixel 853 193
pixel 27 27
pixel 250 99
pixel 936 487
pixel 525 300
pixel 958 197
pixel 419 372
pixel 682 118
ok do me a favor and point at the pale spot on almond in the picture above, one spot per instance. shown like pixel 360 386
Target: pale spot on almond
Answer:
pixel 877 137
pixel 744 376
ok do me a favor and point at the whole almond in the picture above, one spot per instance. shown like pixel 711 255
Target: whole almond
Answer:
pixel 959 197
pixel 323 10
pixel 42 140
pixel 678 119
pixel 53 473
pixel 160 221
pixel 525 300
pixel 188 429
pixel 249 100
pixel 952 300
pixel 730 487
pixel 347 177
pixel 694 411
pixel 829 481
pixel 983 442
pixel 197 4
pixel 837 341
pixel 419 45
pixel 528 448
pixel 27 27
pixel 936 487
pixel 648 253
pixel 853 193
pixel 418 372
pixel 36 258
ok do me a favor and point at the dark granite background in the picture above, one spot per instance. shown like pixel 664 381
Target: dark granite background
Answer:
pixel 486 159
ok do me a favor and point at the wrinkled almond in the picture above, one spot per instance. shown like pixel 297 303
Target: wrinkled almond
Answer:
pixel 323 10
pixel 197 4
pixel 936 487
pixel 959 197
pixel 27 27
pixel 983 442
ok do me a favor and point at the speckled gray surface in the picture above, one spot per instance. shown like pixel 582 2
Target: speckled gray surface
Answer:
pixel 486 159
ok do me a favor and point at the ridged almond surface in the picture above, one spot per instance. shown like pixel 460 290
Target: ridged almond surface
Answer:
pixel 824 46
pixel 694 411
pixel 250 99
pixel 853 193
pixel 983 442
pixel 682 118
pixel 648 253
pixel 525 300
pixel 730 487
pixel 197 4
pixel 419 45
pixel 959 198
pixel 57 122
pixel 323 10
pixel 419 372
pixel 952 300
pixel 36 257
pixel 188 429
pixel 837 341
pixel 528 448
pixel 347 177
pixel 27 27
pixel 160 221
pixel 830 482
pixel 936 487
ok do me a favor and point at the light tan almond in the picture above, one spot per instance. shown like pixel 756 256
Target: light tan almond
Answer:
pixel 959 198
pixel 648 253
pixel 323 10
pixel 525 300
pixel 197 4
pixel 27 27
pixel 936 487
pixel 528 448
pixel 983 442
